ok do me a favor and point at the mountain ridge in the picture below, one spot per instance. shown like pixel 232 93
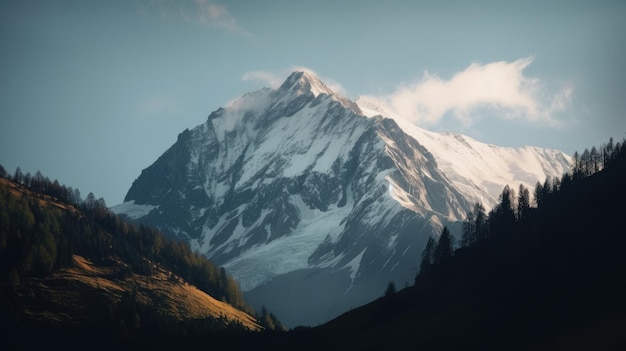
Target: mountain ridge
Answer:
pixel 299 178
pixel 482 177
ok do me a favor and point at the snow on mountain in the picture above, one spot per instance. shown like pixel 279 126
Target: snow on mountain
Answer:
pixel 480 171
pixel 298 188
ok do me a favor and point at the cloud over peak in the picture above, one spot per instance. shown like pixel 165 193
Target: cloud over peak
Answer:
pixel 274 80
pixel 498 86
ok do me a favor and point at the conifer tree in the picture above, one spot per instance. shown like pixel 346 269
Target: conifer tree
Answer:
pixel 265 320
pixel 391 289
pixel 18 177
pixel 444 246
pixel 480 219
pixel 538 194
pixel 474 226
pixel 469 230
pixel 427 256
pixel 594 157
pixel 608 152
pixel 576 168
pixel 523 202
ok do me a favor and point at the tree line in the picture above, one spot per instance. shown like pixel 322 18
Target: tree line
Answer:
pixel 512 209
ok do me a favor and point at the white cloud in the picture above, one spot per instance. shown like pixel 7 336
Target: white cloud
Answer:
pixel 499 86
pixel 270 79
pixel 274 80
pixel 562 99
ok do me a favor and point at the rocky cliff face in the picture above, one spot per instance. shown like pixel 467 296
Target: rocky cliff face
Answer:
pixel 311 205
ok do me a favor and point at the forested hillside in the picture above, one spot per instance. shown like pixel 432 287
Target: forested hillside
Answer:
pixel 124 279
pixel 543 273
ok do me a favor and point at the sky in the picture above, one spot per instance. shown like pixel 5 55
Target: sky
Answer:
pixel 93 92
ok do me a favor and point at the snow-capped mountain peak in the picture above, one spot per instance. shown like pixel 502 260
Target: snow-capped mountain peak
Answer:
pixel 297 187
pixel 304 81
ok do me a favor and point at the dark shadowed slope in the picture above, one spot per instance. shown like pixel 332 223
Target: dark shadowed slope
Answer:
pixel 553 281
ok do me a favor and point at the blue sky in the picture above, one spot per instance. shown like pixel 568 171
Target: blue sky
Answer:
pixel 92 92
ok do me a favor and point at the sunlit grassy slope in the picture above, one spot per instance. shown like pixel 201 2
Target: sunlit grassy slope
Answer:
pixel 70 295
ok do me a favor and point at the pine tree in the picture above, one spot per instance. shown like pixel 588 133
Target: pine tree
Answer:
pixel 523 202
pixel 576 166
pixel 506 211
pixel 469 237
pixel 391 289
pixel 608 152
pixel 502 216
pixel 480 219
pixel 18 177
pixel 444 247
pixel 585 163
pixel 538 194
pixel 595 158
pixel 427 256
pixel 265 320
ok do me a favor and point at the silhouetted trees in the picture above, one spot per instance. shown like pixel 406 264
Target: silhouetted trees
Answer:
pixel 510 210
pixel 18 176
pixel 391 289
pixel 596 159
pixel 474 226
pixel 436 253
pixel 555 272
pixel 444 247
pixel 523 202
pixel 428 256
pixel 269 321
pixel 469 237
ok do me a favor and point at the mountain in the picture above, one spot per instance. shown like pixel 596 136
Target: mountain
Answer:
pixel 75 273
pixel 551 282
pixel 480 171
pixel 304 195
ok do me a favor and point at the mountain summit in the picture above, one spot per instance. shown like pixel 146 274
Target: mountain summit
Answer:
pixel 309 203
pixel 305 82
pixel 302 82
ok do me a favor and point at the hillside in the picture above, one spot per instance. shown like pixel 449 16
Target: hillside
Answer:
pixel 553 281
pixel 66 274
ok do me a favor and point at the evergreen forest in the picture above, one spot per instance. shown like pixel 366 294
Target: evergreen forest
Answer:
pixel 44 225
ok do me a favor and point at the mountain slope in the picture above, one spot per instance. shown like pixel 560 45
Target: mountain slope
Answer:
pixel 54 298
pixel 553 282
pixel 478 170
pixel 295 188
pixel 75 271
